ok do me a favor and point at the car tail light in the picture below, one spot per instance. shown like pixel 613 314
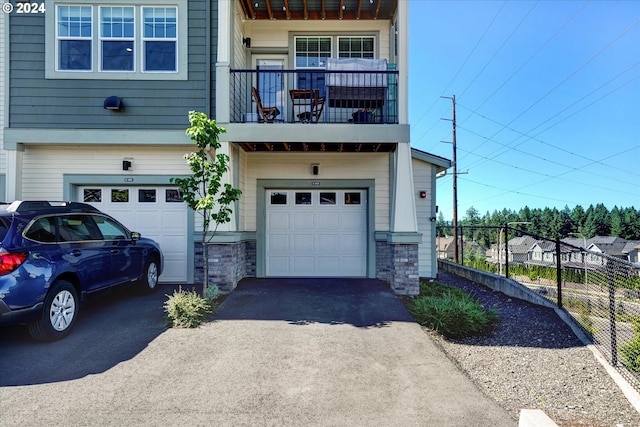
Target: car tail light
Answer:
pixel 11 261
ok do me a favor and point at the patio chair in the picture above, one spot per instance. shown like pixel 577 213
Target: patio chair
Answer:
pixel 267 114
pixel 317 105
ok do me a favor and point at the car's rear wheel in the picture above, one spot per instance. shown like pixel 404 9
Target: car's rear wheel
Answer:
pixel 149 281
pixel 58 314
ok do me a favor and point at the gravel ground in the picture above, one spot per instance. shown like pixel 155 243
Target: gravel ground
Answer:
pixel 533 360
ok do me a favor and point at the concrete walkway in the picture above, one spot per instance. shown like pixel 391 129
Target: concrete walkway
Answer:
pixel 279 353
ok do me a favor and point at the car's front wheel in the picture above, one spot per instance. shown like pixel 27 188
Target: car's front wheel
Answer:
pixel 58 314
pixel 149 281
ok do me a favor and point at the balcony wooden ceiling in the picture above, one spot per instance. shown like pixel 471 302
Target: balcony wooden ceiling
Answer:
pixel 333 147
pixel 318 9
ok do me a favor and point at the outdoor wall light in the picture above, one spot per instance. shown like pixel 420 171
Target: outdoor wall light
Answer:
pixel 315 169
pixel 113 103
pixel 246 41
pixel 127 164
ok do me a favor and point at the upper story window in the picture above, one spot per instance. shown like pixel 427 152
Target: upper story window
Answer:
pixel 117 38
pixel 355 47
pixel 75 34
pixel 159 38
pixel 111 40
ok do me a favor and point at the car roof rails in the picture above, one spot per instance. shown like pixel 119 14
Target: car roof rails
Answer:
pixel 38 205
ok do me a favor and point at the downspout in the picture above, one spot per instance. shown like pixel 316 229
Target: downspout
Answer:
pixel 207 44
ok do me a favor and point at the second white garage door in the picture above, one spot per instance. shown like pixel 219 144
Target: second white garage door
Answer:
pixel 316 233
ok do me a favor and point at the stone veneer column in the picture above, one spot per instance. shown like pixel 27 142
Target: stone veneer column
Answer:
pixel 228 264
pixel 398 265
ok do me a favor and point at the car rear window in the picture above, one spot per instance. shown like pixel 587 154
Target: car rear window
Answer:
pixel 42 230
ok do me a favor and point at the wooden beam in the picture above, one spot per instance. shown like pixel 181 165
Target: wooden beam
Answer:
pixel 358 9
pixel 323 14
pixel 286 9
pixel 269 11
pixel 341 10
pixel 378 4
pixel 305 14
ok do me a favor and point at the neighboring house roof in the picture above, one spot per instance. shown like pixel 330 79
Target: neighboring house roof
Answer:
pixel 609 245
pixel 521 245
pixel 544 245
pixel 630 246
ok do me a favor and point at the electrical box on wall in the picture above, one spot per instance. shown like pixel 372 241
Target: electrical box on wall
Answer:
pixel 423 194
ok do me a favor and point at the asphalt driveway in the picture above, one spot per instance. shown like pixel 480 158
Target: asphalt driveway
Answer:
pixel 292 352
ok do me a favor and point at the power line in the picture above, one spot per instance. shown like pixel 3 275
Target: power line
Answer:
pixel 568 77
pixel 525 134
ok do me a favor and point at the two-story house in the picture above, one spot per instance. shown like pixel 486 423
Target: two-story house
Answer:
pixel 314 97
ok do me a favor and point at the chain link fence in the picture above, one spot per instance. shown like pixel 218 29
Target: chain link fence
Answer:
pixel 600 291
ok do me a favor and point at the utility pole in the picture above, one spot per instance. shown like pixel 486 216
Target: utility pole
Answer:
pixel 455 179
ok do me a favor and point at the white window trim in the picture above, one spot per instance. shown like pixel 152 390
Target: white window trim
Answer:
pixel 96 73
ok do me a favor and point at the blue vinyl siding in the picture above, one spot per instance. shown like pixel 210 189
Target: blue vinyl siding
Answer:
pixel 36 102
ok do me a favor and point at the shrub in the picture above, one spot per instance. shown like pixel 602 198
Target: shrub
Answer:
pixel 187 309
pixel 212 293
pixel 451 312
pixel 630 352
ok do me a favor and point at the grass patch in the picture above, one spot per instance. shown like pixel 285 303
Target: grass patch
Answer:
pixel 187 309
pixel 450 311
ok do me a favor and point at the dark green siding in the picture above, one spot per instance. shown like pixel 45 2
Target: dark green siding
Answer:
pixel 36 102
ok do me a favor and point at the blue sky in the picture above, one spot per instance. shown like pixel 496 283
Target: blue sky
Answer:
pixel 547 101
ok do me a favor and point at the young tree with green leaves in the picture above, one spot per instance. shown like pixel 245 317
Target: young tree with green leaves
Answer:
pixel 204 191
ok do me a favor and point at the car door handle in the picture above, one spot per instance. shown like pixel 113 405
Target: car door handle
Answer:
pixel 115 251
pixel 76 252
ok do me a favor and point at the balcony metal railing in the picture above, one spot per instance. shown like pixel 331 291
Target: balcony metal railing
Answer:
pixel 314 96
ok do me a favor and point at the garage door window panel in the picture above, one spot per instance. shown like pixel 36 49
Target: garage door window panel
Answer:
pixel 303 198
pixel 92 195
pixel 278 198
pixel 352 198
pixel 119 196
pixel 328 198
pixel 147 196
pixel 173 196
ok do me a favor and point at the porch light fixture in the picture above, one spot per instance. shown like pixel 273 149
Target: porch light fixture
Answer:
pixel 112 103
pixel 315 169
pixel 127 164
pixel 246 41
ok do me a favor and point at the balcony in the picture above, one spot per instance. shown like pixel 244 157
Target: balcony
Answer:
pixel 273 96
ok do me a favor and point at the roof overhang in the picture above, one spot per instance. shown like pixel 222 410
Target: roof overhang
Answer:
pixel 318 9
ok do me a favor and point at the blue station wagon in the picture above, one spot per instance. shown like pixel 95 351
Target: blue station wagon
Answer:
pixel 56 255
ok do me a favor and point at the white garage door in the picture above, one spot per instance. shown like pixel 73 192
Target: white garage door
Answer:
pixel 155 212
pixel 316 233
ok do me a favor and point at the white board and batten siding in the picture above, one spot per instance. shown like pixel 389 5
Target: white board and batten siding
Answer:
pixel 423 180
